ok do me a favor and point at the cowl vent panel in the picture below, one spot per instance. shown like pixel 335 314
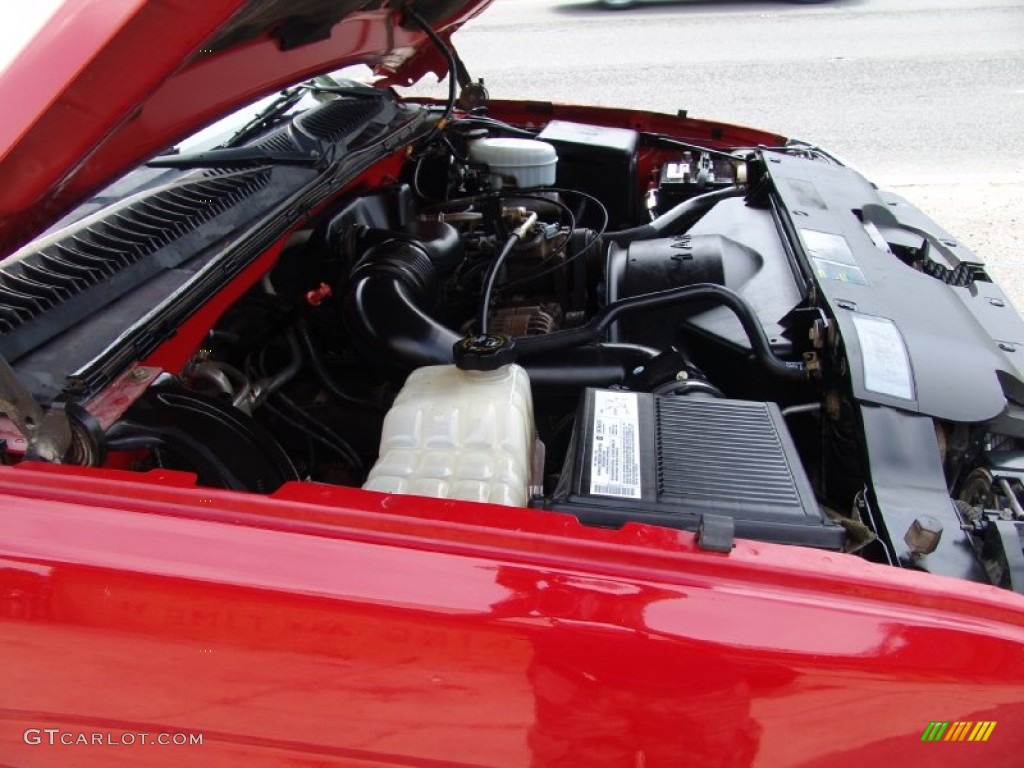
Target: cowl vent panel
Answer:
pixel 87 266
pixel 336 120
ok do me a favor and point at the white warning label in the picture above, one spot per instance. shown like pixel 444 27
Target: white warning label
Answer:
pixel 615 453
pixel 886 363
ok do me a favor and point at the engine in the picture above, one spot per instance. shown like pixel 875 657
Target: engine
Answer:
pixel 478 331
pixel 574 321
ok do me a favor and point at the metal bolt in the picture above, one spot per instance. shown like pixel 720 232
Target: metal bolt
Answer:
pixel 140 374
pixel 818 333
pixel 833 405
pixel 923 536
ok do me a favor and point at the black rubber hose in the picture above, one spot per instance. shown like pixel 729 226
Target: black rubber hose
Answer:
pixel 596 328
pixel 316 428
pixel 325 377
pixel 595 365
pixel 390 323
pixel 449 57
pixel 489 279
pixel 385 317
pixel 492 271
pixel 268 385
pixel 680 217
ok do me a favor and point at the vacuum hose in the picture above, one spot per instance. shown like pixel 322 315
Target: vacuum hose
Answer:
pixel 706 292
pixel 679 218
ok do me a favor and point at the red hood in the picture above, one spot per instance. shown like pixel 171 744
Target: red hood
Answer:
pixel 108 83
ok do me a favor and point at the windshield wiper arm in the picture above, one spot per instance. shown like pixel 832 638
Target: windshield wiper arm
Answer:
pixel 288 99
pixel 346 88
pixel 238 156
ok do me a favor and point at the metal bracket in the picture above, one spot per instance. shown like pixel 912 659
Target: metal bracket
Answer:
pixel 48 433
pixel 1003 542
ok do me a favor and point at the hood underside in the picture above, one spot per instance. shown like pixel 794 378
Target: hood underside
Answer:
pixel 108 83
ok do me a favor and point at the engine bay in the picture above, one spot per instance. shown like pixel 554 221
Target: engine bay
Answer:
pixel 614 323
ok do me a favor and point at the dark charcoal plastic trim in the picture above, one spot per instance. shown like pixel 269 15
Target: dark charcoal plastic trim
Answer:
pixel 45 292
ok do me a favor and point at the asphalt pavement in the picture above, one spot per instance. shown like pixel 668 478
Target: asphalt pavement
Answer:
pixel 924 97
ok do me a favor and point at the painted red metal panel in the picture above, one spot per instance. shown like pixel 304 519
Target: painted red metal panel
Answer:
pixel 331 626
pixel 108 83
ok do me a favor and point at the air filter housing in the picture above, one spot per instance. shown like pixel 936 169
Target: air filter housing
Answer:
pixel 669 460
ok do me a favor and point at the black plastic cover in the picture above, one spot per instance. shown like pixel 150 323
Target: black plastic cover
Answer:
pixel 696 458
pixel 912 341
pixel 647 266
pixel 600 161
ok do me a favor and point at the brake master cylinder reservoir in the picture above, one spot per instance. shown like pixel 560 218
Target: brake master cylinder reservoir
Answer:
pixel 461 431
pixel 522 163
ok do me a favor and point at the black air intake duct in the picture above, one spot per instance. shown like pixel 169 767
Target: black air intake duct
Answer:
pixel 393 283
pixel 385 313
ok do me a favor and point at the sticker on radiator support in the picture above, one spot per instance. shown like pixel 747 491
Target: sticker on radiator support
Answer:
pixel 832 257
pixel 830 270
pixel 886 362
pixel 615 449
pixel 825 245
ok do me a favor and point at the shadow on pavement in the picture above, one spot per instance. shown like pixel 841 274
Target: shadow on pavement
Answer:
pixel 639 7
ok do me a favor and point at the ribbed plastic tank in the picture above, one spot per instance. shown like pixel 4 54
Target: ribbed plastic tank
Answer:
pixel 457 434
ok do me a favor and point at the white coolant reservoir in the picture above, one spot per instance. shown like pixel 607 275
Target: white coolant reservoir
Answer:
pixel 459 434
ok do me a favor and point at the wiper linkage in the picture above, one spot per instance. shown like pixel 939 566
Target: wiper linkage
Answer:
pixel 239 156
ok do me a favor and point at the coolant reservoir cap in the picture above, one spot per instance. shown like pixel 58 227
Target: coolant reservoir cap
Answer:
pixel 486 352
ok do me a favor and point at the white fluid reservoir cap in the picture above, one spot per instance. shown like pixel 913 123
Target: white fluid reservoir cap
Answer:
pixel 524 163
